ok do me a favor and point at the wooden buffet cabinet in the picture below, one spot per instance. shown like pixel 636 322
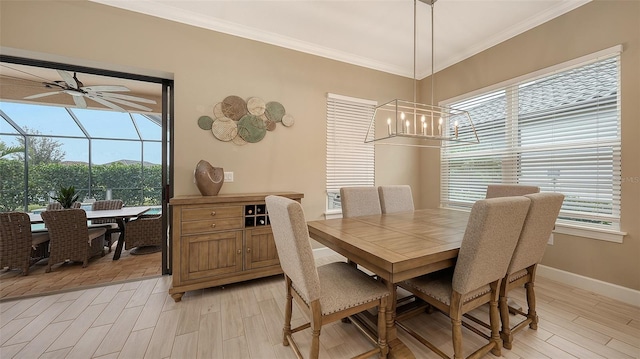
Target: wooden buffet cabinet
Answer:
pixel 222 239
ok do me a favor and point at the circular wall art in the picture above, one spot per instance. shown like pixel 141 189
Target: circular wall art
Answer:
pixel 205 122
pixel 274 111
pixel 240 122
pixel 234 107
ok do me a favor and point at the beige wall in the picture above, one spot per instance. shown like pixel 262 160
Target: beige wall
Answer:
pixel 595 26
pixel 208 66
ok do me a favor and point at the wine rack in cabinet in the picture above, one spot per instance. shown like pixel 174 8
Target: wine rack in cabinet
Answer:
pixel 222 239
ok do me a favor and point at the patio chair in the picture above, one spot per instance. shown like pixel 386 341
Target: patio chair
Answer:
pixel 487 246
pixel 109 224
pixel 144 235
pixel 326 293
pixel 54 206
pixel 395 198
pixel 70 237
pixel 15 241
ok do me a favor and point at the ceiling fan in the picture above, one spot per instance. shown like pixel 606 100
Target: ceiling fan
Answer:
pixel 106 95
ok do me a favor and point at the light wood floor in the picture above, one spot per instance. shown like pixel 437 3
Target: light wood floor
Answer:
pixel 140 320
pixel 70 276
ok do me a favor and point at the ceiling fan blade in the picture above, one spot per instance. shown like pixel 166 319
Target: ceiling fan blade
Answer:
pixel 106 103
pixel 80 102
pixel 123 102
pixel 68 79
pixel 127 97
pixel 106 88
pixel 42 95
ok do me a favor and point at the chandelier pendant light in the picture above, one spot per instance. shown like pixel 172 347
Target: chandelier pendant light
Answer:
pixel 410 123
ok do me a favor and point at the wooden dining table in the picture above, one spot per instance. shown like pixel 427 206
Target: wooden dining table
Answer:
pixel 396 247
pixel 121 216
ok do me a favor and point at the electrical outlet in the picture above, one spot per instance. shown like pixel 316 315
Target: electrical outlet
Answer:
pixel 228 176
pixel 550 241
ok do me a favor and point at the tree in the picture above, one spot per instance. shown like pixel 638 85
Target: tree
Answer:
pixel 41 150
pixel 7 150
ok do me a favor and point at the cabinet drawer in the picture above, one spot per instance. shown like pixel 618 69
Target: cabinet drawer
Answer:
pixel 213 225
pixel 210 212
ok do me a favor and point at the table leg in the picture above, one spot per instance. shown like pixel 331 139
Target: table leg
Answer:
pixel 121 226
pixel 397 349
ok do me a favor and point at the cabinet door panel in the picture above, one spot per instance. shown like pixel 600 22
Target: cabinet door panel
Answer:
pixel 260 249
pixel 211 255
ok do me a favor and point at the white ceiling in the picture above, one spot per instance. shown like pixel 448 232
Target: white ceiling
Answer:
pixel 377 34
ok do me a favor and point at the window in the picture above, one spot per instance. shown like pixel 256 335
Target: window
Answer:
pixel 560 131
pixel 350 161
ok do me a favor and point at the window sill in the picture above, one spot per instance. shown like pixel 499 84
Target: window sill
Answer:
pixel 593 233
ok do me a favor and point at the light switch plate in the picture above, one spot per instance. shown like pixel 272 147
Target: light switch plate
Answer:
pixel 228 176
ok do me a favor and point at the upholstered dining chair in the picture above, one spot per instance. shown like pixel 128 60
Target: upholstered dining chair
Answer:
pixel 538 225
pixel 327 293
pixel 487 246
pixel 71 238
pixel 144 234
pixel 109 224
pixel 15 241
pixel 359 201
pixel 395 198
pixel 506 190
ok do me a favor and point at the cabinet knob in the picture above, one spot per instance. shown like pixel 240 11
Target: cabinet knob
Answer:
pixel 213 213
pixel 213 225
pixel 239 251
pixel 248 250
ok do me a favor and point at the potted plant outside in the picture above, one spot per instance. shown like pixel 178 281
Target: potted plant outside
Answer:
pixel 66 196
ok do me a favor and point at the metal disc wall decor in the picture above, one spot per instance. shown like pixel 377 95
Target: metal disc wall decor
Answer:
pixel 274 111
pixel 224 129
pixel 234 107
pixel 240 122
pixel 205 122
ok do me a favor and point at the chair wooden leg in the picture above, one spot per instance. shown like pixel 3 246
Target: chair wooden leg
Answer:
pixel 316 324
pixel 455 313
pixel 531 302
pixel 494 320
pixel 288 307
pixel 505 333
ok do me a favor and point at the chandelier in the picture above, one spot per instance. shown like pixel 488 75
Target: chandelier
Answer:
pixel 409 123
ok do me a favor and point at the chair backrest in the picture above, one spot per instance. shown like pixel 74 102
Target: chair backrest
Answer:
pixel 103 205
pixel 395 198
pixel 359 201
pixel 506 190
pixel 293 245
pixel 539 223
pixel 15 239
pixel 489 240
pixel 54 206
pixel 68 232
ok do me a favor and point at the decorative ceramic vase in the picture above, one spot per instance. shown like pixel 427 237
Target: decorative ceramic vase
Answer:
pixel 209 179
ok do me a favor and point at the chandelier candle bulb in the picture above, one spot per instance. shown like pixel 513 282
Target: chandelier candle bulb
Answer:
pixel 424 128
pixel 407 123
pixel 440 126
pixel 389 126
pixel 455 126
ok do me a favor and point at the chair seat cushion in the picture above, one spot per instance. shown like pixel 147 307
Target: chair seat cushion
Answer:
pixel 95 233
pixel 438 286
pixel 344 286
pixel 39 238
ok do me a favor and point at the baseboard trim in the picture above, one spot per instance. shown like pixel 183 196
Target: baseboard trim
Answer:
pixel 614 291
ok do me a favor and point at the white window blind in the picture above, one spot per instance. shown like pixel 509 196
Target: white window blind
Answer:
pixel 350 161
pixel 560 132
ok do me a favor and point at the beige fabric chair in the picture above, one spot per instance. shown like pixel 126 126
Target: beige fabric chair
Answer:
pixel 110 224
pixel 487 246
pixel 359 201
pixel 70 237
pixel 395 198
pixel 144 235
pixel 506 190
pixel 540 221
pixel 15 241
pixel 326 293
